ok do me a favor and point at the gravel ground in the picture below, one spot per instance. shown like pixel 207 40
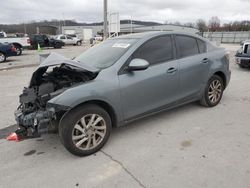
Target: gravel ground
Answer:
pixel 190 146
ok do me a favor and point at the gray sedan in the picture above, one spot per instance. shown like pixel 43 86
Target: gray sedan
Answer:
pixel 118 81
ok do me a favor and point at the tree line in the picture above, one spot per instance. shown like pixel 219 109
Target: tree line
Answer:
pixel 53 26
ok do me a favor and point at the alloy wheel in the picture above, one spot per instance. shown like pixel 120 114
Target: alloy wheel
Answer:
pixel 215 91
pixel 89 131
pixel 2 57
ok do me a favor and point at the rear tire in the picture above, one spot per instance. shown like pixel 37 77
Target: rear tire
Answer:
pixel 79 43
pixel 85 129
pixel 58 45
pixel 213 92
pixel 18 50
pixel 2 57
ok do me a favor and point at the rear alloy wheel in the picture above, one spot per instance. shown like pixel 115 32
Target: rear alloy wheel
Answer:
pixel 213 92
pixel 83 131
pixel 2 57
pixel 18 50
pixel 79 43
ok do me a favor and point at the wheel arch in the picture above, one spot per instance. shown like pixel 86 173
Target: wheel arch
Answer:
pixel 107 107
pixel 17 44
pixel 223 77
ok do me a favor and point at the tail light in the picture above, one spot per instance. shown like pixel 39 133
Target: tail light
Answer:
pixel 13 49
pixel 28 41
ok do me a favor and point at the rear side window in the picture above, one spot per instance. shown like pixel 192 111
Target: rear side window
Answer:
pixel 156 50
pixel 202 46
pixel 62 37
pixel 187 46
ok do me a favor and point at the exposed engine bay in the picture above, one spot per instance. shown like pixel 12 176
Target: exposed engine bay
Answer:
pixel 33 115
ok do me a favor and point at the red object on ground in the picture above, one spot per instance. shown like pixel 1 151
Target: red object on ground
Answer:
pixel 13 137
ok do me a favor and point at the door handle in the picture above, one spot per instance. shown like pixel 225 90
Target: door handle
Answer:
pixel 205 60
pixel 171 70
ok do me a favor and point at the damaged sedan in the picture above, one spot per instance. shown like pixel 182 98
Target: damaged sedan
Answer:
pixel 118 81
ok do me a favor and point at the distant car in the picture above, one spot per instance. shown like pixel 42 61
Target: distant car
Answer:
pixel 45 41
pixel 19 42
pixel 68 40
pixel 98 38
pixel 118 81
pixel 242 42
pixel 7 50
pixel 242 57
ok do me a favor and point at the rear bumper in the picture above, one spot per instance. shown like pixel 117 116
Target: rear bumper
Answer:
pixel 11 53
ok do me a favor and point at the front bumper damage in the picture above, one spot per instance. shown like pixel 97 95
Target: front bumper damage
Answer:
pixel 35 124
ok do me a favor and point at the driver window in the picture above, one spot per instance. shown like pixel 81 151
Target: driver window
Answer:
pixel 156 50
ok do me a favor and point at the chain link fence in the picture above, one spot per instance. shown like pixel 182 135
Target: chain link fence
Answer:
pixel 227 37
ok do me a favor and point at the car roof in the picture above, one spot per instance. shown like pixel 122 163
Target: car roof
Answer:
pixel 158 33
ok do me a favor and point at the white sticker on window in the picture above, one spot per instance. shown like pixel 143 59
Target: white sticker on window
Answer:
pixel 120 45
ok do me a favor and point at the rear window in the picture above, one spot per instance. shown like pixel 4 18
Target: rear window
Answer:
pixel 187 46
pixel 202 46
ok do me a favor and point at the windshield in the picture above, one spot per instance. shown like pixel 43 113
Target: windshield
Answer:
pixel 106 53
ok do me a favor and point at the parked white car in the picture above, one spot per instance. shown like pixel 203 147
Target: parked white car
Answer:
pixel 18 42
pixel 68 40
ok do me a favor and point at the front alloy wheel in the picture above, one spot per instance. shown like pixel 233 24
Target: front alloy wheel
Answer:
pixel 89 131
pixel 85 129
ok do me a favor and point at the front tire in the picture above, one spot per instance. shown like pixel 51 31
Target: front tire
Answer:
pixel 213 92
pixel 85 129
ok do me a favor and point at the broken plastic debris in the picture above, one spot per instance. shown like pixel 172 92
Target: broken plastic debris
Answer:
pixel 13 137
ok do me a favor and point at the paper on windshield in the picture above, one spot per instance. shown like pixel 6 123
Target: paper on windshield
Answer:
pixel 120 45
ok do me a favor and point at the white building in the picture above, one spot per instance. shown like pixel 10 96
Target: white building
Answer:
pixel 87 32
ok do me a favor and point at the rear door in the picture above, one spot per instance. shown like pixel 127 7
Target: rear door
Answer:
pixel 64 39
pixel 70 40
pixel 194 65
pixel 155 87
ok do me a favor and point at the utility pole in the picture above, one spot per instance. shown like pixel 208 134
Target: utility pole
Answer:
pixel 105 20
pixel 131 25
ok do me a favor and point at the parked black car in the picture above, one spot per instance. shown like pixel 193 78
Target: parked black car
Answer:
pixel 45 41
pixel 6 50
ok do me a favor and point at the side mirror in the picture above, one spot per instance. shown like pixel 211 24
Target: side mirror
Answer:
pixel 138 65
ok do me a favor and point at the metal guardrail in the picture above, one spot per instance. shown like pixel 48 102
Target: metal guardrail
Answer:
pixel 227 37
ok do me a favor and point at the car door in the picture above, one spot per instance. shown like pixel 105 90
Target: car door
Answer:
pixel 39 40
pixel 155 87
pixel 70 40
pixel 194 65
pixel 63 38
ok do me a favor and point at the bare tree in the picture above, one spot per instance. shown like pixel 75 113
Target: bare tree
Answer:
pixel 214 23
pixel 201 25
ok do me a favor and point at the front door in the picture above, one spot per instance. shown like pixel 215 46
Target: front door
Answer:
pixel 155 87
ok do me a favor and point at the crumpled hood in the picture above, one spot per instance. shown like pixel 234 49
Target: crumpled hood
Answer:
pixel 57 59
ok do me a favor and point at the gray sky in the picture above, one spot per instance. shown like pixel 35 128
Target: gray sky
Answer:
pixel 16 11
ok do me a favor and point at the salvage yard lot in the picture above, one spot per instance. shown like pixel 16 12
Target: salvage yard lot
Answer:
pixel 190 146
